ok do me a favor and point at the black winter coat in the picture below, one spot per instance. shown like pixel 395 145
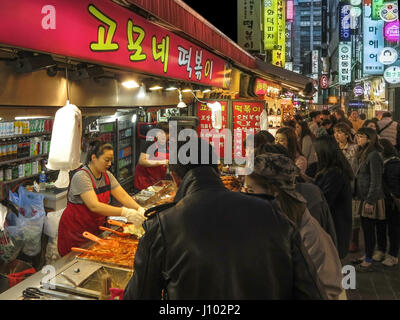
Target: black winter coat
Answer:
pixel 391 177
pixel 218 244
pixel 368 182
pixel 337 191
pixel 318 207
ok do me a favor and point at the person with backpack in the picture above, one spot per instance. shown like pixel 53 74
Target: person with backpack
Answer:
pixel 391 188
pixel 389 129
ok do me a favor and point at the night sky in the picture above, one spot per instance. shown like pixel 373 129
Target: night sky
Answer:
pixel 221 14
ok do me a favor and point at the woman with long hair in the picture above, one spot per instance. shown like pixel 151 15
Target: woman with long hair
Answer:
pixel 305 138
pixel 333 176
pixel 343 136
pixel 391 188
pixel 286 137
pixel 273 179
pixel 370 196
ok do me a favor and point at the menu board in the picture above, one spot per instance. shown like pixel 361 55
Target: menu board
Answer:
pixel 246 121
pixel 205 128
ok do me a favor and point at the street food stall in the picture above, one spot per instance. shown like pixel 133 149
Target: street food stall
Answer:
pixel 101 268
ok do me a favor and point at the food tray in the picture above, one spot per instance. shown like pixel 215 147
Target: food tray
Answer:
pixel 160 189
pixel 105 261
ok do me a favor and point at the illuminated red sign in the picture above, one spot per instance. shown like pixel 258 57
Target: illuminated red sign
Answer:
pixel 103 32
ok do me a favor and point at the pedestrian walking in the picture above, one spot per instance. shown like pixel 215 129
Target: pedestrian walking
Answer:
pixel 389 129
pixel 333 177
pixel 391 188
pixel 305 138
pixel 286 136
pixel 370 123
pixel 342 134
pixel 340 117
pixel 370 197
pixel 355 120
pixel 316 202
pixel 315 121
pixel 274 176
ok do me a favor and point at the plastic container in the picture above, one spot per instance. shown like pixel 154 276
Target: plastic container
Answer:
pixel 21 170
pixel 42 177
pixel 35 167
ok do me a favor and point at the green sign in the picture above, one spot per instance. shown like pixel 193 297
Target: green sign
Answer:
pixel 376 8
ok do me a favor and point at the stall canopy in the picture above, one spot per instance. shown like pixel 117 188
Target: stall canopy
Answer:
pixel 182 18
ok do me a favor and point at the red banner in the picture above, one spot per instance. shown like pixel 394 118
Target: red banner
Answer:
pixel 105 33
pixel 246 120
pixel 205 129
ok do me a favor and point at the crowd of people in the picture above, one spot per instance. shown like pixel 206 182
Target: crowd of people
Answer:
pixel 355 162
pixel 313 188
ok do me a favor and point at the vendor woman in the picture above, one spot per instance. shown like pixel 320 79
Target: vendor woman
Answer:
pixel 152 165
pixel 88 199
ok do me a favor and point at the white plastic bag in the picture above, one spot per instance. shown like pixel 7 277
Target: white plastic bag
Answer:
pixel 264 120
pixel 51 223
pixel 65 146
pixel 216 114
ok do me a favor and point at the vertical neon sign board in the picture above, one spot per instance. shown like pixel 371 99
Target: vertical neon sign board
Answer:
pixel 270 23
pixel 373 44
pixel 344 63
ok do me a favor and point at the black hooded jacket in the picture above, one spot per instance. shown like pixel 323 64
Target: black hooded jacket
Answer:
pixel 218 244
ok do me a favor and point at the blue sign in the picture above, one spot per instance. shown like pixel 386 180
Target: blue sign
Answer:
pixel 344 21
pixel 356 104
pixel 373 44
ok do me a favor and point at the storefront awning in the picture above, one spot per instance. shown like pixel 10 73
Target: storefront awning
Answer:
pixel 288 79
pixel 184 19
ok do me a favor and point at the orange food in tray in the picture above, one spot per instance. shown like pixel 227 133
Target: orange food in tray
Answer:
pixel 123 255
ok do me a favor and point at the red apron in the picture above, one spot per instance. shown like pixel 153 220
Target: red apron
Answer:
pixel 148 176
pixel 77 218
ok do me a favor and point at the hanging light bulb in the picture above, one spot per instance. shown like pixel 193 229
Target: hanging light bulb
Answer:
pixel 130 84
pixel 181 104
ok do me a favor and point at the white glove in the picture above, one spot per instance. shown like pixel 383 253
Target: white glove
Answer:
pixel 133 216
pixel 141 210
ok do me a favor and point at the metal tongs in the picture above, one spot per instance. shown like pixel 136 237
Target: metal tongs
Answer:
pixel 108 243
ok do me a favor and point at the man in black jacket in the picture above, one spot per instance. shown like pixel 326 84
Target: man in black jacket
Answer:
pixel 216 244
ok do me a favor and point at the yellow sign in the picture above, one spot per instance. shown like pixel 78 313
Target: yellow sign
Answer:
pixel 279 52
pixel 270 23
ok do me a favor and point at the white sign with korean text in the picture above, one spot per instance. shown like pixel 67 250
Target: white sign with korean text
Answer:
pixel 249 22
pixel 314 62
pixel 392 75
pixel 344 63
pixel 373 44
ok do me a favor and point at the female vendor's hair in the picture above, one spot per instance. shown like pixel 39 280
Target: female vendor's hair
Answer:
pixel 97 148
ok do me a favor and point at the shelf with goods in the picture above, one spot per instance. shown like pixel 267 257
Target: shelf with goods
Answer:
pixel 24 145
pixel 125 149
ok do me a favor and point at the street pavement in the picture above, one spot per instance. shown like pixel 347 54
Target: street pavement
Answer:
pixel 383 283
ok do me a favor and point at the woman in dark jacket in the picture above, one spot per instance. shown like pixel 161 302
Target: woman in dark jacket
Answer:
pixel 369 193
pixel 333 176
pixel 391 188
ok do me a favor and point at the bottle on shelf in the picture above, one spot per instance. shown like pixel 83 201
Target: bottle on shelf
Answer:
pixel 42 177
pixel 14 171
pixel 8 173
pixel 1 174
pixel 14 148
pixel 9 149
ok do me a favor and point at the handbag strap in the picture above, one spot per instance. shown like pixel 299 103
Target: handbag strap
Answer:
pixel 385 127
